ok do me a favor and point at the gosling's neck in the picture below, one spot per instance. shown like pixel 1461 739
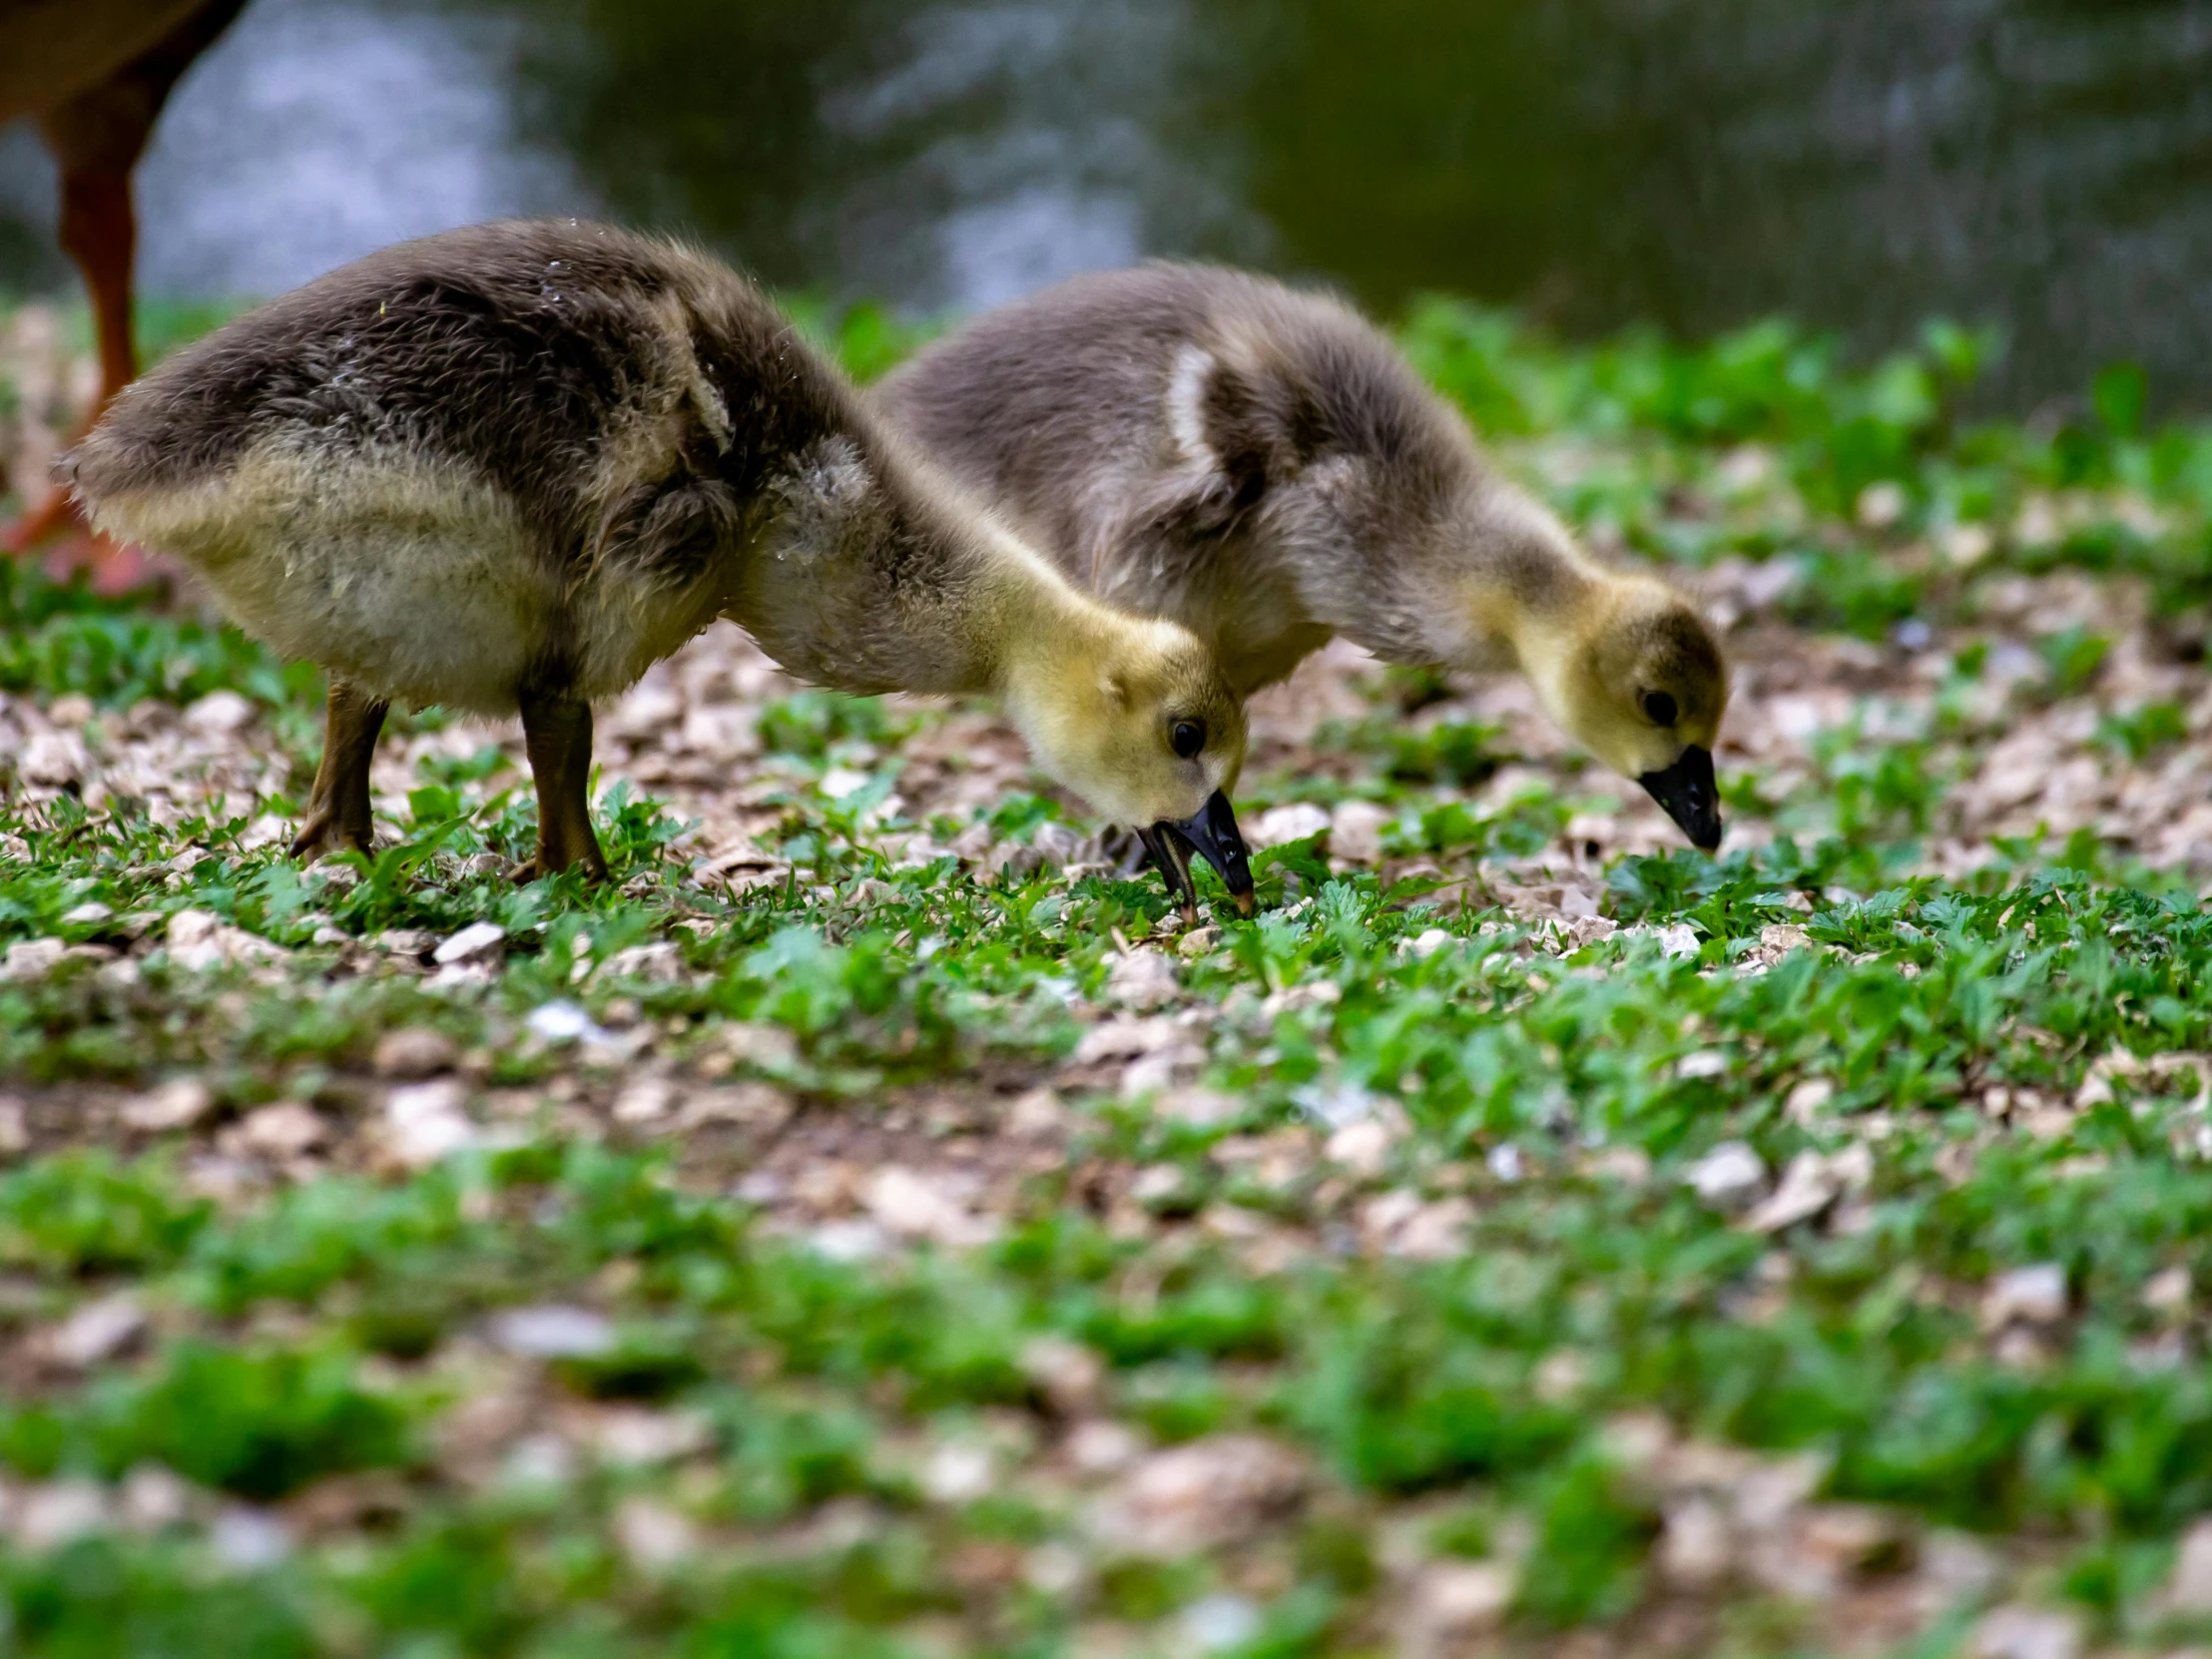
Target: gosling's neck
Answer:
pixel 1038 631
pixel 1526 597
pixel 1023 629
pixel 1025 633
pixel 875 575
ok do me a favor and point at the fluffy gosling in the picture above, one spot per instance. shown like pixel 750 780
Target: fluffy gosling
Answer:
pixel 507 468
pixel 1263 466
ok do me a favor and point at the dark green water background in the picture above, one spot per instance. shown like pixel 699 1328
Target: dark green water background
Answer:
pixel 2045 165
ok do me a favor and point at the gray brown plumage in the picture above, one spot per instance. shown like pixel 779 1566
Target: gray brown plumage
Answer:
pixel 1263 466
pixel 508 467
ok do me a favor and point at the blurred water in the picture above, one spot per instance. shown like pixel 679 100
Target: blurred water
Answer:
pixel 327 128
pixel 314 131
pixel 2042 164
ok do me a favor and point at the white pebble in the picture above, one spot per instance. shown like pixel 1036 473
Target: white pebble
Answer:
pixel 478 938
pixel 1728 1177
pixel 553 1331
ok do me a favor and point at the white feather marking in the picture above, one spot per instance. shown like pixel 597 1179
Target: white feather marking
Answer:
pixel 1187 405
pixel 713 413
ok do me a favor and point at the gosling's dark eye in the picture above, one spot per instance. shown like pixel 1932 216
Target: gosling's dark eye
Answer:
pixel 1187 736
pixel 1659 708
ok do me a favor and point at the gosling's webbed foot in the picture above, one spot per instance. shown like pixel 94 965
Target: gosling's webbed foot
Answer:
pixel 593 863
pixel 322 832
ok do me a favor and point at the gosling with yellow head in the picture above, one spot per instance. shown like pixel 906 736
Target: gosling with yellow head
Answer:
pixel 506 469
pixel 1263 466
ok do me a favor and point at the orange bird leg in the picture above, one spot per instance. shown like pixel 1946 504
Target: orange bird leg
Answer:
pixel 97 133
pixel 99 232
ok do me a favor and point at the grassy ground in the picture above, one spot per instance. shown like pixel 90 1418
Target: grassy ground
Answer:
pixel 871 1228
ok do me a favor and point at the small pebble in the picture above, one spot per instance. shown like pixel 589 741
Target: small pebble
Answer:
pixel 1728 1177
pixel 553 1331
pixel 478 939
pixel 414 1052
pixel 176 1104
pixel 2034 1296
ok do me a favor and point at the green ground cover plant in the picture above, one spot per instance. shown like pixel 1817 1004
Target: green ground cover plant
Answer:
pixel 867 1226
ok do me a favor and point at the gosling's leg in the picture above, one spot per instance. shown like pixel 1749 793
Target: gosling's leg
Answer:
pixel 556 730
pixel 337 817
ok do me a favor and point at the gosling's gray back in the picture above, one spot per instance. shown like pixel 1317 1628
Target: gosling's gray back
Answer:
pixel 1257 462
pixel 635 424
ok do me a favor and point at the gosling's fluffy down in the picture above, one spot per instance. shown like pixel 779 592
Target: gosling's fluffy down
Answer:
pixel 508 467
pixel 1263 466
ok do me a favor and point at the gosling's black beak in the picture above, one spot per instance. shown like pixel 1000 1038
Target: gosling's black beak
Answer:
pixel 1212 834
pixel 1690 794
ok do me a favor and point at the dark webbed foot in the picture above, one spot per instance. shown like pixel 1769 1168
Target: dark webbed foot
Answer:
pixel 530 869
pixel 321 833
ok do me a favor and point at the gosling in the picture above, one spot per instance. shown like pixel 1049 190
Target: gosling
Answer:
pixel 1263 468
pixel 506 469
